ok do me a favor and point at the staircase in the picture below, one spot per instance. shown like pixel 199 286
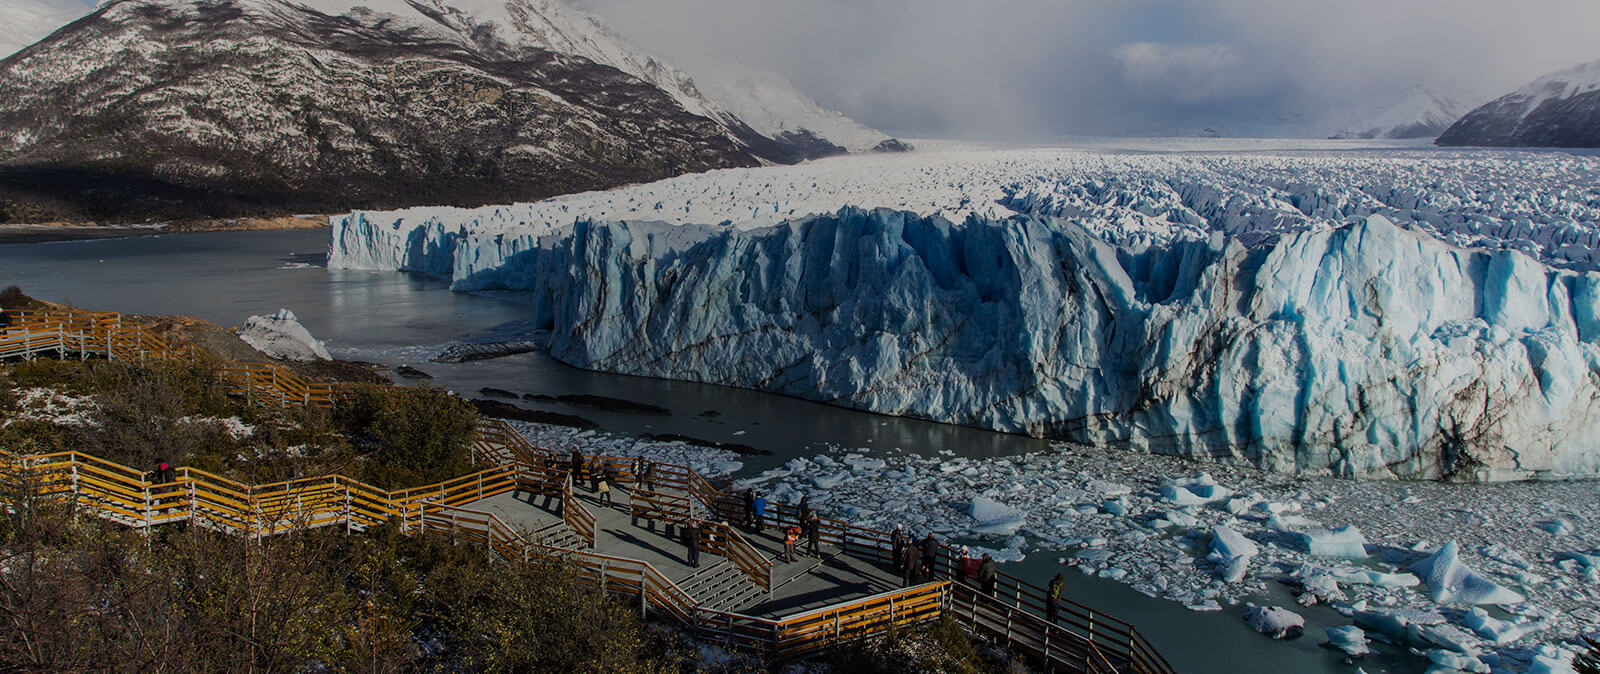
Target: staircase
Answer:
pixel 722 587
pixel 558 535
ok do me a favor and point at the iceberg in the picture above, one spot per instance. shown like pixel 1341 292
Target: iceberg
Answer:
pixel 1342 543
pixel 994 517
pixel 1278 623
pixel 1232 551
pixel 1207 308
pixel 1349 639
pixel 281 336
pixel 1449 580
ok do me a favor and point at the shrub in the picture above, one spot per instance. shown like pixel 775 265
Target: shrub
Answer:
pixel 12 298
pixel 186 599
pixel 940 646
pixel 410 437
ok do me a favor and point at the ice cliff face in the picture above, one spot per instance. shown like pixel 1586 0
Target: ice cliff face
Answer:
pixel 1358 348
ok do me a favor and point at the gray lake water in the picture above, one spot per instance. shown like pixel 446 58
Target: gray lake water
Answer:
pixel 395 318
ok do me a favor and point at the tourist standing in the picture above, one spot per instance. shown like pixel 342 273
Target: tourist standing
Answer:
pixel 813 525
pixel 969 565
pixel 1052 597
pixel 791 535
pixel 749 510
pixel 577 467
pixel 898 543
pixel 988 574
pixel 759 508
pixel 691 538
pixel 603 485
pixel 913 566
pixel 930 555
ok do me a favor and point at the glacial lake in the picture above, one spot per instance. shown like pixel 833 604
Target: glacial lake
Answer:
pixel 395 319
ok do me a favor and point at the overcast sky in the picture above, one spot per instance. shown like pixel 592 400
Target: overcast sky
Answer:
pixel 1036 68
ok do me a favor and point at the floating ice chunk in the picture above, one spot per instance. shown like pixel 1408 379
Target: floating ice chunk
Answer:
pixel 1233 551
pixel 1108 489
pixel 1174 518
pixel 783 493
pixel 1393 622
pixel 1115 506
pixel 1450 661
pixel 865 464
pixel 994 517
pixel 281 336
pixel 1198 490
pixel 1008 554
pixel 1181 496
pixel 1505 555
pixel 1442 635
pixel 1375 578
pixel 1451 581
pixel 1349 639
pixel 1552 660
pixel 1499 632
pixel 1319 588
pixel 1273 508
pixel 1342 543
pixel 830 481
pixel 1278 623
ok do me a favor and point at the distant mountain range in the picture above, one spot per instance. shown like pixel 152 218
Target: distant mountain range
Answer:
pixel 1561 109
pixel 1421 112
pixel 157 109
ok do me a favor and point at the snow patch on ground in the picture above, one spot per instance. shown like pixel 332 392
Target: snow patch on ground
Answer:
pixel 52 406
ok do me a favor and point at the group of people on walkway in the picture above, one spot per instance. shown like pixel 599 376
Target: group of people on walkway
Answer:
pixel 603 477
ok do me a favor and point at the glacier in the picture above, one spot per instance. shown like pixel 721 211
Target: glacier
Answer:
pixel 1426 315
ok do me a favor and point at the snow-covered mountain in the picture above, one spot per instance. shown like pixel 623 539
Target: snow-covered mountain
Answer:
pixel 1561 109
pixel 1421 112
pixel 24 22
pixel 772 105
pixel 1376 314
pixel 164 108
pixel 772 119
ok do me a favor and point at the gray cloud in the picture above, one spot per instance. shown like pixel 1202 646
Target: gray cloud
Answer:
pixel 1029 68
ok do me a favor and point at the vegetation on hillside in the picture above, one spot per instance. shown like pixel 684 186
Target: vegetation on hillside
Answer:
pixel 79 595
pixel 180 413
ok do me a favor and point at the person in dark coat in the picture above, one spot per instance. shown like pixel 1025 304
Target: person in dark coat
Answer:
pixel 749 509
pixel 641 473
pixel 1052 597
pixel 898 544
pixel 988 574
pixel 577 467
pixel 691 539
pixel 930 554
pixel 913 566
pixel 813 526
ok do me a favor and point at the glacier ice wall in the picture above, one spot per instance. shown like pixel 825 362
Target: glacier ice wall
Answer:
pixel 1363 349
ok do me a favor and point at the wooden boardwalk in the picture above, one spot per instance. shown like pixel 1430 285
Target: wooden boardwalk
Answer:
pixel 525 505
